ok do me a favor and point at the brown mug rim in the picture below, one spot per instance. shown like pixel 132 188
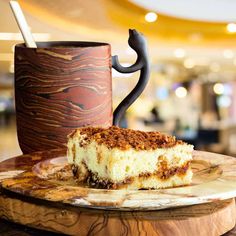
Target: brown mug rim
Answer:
pixel 64 44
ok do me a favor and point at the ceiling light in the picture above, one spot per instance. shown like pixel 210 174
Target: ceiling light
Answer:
pixel 231 28
pixel 179 53
pixel 218 88
pixel 189 63
pixel 151 17
pixel 181 92
pixel 227 53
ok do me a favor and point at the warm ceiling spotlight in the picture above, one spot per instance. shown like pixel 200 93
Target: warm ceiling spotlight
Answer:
pixel 227 53
pixel 151 17
pixel 231 28
pixel 218 88
pixel 179 53
pixel 181 92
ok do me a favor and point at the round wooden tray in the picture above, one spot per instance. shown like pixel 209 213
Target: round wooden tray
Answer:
pixel 206 219
pixel 213 218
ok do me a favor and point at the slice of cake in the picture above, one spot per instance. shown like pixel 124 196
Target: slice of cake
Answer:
pixel 116 158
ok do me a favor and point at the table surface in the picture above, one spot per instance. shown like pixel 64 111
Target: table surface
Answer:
pixel 9 148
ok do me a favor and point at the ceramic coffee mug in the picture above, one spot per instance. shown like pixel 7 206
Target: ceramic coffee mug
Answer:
pixel 60 86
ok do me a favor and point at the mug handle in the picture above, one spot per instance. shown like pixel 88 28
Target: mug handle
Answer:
pixel 138 43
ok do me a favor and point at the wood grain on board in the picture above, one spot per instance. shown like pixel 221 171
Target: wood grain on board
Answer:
pixel 206 219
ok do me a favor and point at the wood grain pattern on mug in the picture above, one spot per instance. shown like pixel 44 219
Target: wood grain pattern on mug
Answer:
pixel 58 89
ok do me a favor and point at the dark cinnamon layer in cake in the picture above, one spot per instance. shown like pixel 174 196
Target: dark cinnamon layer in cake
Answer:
pixel 162 174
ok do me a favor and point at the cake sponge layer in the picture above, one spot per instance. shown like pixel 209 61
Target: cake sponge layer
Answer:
pixel 132 168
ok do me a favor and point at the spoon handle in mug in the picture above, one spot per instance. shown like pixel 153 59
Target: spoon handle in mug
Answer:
pixel 23 26
pixel 138 43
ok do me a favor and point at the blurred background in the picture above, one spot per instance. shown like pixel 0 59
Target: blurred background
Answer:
pixel 192 48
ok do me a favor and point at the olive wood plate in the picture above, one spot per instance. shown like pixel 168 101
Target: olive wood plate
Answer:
pixel 35 176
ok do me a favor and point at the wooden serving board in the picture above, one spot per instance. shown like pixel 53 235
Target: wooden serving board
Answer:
pixel 30 199
pixel 208 219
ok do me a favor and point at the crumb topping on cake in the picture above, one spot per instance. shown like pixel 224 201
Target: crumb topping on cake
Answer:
pixel 115 137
